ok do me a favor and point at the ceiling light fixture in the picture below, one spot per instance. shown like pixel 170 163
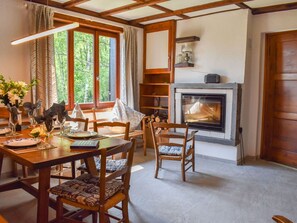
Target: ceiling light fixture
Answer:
pixel 46 33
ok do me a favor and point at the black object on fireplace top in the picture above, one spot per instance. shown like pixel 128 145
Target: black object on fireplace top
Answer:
pixel 212 78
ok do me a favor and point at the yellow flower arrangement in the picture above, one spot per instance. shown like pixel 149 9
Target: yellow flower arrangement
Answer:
pixel 14 91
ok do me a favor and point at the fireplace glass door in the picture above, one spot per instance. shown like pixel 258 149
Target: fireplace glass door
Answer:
pixel 204 111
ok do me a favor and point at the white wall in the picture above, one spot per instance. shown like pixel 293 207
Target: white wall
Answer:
pixel 14 60
pixel 262 24
pixel 222 50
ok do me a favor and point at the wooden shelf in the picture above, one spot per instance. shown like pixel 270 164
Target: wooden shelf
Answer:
pixel 154 96
pixel 186 64
pixel 187 39
pixel 156 84
pixel 154 107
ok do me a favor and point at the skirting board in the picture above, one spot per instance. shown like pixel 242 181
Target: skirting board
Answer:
pixel 237 162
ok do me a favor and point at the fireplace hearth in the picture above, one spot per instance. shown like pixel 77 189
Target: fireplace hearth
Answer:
pixel 204 111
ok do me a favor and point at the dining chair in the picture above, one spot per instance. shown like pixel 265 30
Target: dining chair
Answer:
pixel 4 122
pixel 105 129
pixel 172 145
pixel 87 192
pixel 85 121
pixel 104 114
pixel 60 168
pixel 281 219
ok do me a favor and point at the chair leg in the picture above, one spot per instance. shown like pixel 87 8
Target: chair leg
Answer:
pixel 94 217
pixel 144 144
pixel 59 211
pixel 73 170
pixel 183 171
pixel 25 171
pixel 193 161
pixel 125 210
pixel 107 218
pixel 157 168
pixel 161 162
pixel 102 218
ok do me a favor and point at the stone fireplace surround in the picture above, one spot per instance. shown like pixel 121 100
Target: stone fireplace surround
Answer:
pixel 233 108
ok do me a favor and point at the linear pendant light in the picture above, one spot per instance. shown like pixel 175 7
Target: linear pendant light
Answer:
pixel 46 33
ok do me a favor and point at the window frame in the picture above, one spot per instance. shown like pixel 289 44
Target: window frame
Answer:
pixel 96 98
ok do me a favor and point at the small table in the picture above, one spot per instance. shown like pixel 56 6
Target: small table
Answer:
pixel 42 160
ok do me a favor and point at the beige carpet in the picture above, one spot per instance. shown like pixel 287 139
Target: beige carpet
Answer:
pixel 217 193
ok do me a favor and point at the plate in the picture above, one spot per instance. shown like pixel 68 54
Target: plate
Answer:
pixel 82 134
pixel 21 142
pixel 5 131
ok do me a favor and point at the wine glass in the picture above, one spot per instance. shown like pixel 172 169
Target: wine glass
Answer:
pixel 61 122
pixel 14 119
pixel 49 126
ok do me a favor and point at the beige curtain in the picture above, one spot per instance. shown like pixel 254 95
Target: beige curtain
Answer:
pixel 42 55
pixel 130 85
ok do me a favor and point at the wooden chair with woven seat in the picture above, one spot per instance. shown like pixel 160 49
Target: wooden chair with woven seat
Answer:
pixel 60 168
pixel 166 146
pixel 80 120
pixel 4 122
pixel 281 219
pixel 100 127
pixel 89 193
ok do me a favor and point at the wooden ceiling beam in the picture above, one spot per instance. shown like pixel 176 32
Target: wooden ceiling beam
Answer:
pixel 86 12
pixel 189 9
pixel 275 8
pixel 73 3
pixel 92 24
pixel 243 6
pixel 161 8
pixel 132 6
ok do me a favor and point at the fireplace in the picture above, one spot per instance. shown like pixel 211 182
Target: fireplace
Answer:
pixel 204 111
pixel 214 109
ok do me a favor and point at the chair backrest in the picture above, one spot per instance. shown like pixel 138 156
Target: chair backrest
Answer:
pixel 101 114
pixel 124 127
pixel 85 121
pixel 281 219
pixel 164 134
pixel 121 174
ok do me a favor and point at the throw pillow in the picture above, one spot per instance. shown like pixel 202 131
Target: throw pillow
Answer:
pixel 123 113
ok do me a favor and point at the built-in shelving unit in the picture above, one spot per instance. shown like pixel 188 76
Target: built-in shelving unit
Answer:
pixel 157 77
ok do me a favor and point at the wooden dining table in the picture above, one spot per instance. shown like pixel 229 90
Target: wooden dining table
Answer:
pixel 42 158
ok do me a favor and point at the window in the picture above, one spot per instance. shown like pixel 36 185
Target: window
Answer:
pixel 87 67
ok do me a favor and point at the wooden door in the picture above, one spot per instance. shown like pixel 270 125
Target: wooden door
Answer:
pixel 279 142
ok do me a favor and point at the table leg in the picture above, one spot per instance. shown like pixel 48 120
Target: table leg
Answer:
pixel 1 162
pixel 43 195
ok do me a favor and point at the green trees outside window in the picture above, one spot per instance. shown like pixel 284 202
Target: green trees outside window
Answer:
pixel 92 77
pixel 83 67
pixel 61 62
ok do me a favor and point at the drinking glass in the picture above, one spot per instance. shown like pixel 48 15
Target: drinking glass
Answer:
pixel 62 123
pixel 14 119
pixel 49 127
